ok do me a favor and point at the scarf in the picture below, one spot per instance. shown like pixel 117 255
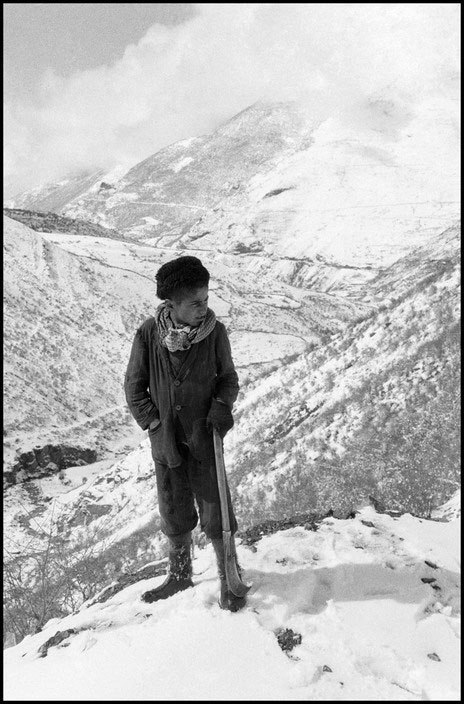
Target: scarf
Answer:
pixel 182 338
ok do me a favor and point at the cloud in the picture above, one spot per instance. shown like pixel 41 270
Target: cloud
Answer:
pixel 184 80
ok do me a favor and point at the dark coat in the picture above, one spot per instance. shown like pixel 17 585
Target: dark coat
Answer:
pixel 155 390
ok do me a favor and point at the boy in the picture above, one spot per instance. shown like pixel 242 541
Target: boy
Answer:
pixel 181 383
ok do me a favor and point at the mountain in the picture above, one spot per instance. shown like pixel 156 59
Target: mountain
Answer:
pixel 365 608
pixel 313 199
pixel 165 194
pixel 341 206
pixel 55 195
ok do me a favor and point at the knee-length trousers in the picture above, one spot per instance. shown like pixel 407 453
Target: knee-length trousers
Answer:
pixel 179 488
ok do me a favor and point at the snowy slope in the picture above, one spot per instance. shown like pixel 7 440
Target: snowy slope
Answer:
pixel 54 195
pixel 290 422
pixel 167 192
pixel 68 325
pixel 372 603
pixel 321 200
pixel 349 202
pixel 324 201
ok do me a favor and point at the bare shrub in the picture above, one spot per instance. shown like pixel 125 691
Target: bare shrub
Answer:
pixel 50 579
pixel 295 490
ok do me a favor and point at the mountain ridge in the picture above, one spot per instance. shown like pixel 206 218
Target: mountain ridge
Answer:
pixel 313 200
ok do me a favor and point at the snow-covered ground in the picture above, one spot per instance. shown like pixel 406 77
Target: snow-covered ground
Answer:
pixel 375 600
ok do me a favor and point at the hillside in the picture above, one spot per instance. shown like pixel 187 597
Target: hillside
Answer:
pixel 68 325
pixel 359 609
pixel 52 222
pixel 333 426
pixel 55 195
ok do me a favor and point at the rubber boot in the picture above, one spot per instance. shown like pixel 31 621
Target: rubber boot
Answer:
pixel 179 575
pixel 227 599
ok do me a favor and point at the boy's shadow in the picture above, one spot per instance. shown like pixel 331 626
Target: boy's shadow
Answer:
pixel 309 590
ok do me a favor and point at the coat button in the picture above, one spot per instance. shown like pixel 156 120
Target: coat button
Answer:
pixel 178 408
pixel 177 382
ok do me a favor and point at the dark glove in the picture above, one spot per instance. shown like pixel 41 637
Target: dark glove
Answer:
pixel 219 417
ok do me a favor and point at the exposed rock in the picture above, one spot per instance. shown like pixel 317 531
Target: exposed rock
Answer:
pixel 58 638
pixel 431 564
pixel 277 191
pixel 46 461
pixel 288 639
pixel 51 222
pixel 310 521
pixel 434 656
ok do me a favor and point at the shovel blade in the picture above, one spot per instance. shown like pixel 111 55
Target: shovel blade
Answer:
pixel 234 581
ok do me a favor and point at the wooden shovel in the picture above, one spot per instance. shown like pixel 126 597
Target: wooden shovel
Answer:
pixel 234 581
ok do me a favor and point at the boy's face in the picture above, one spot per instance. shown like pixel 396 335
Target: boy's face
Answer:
pixel 191 309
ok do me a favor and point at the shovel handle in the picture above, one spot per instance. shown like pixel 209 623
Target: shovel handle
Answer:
pixel 234 580
pixel 221 479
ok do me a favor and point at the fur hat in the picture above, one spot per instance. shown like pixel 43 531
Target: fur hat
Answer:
pixel 184 273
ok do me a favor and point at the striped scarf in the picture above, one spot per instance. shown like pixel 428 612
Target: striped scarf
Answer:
pixel 182 338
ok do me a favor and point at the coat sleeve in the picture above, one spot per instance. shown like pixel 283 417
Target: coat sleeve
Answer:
pixel 137 381
pixel 227 386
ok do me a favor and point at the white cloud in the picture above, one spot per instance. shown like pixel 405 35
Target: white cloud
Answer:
pixel 184 80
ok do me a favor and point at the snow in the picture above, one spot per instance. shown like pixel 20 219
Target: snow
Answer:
pixel 255 347
pixel 187 142
pixel 371 628
pixel 451 509
pixel 122 198
pixel 351 198
pixel 181 164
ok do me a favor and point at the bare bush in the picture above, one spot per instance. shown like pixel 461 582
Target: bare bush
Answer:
pixel 49 579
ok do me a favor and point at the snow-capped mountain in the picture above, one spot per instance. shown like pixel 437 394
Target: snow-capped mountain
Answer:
pixel 169 191
pixel 317 200
pixel 358 609
pixel 55 195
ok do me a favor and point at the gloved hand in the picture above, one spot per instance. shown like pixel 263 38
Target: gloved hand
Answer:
pixel 219 417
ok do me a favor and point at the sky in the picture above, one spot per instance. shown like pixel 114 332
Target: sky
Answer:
pixel 89 85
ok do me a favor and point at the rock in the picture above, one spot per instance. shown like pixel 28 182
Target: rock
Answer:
pixel 48 460
pixel 288 639
pixel 55 640
pixel 431 564
pixel 369 524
